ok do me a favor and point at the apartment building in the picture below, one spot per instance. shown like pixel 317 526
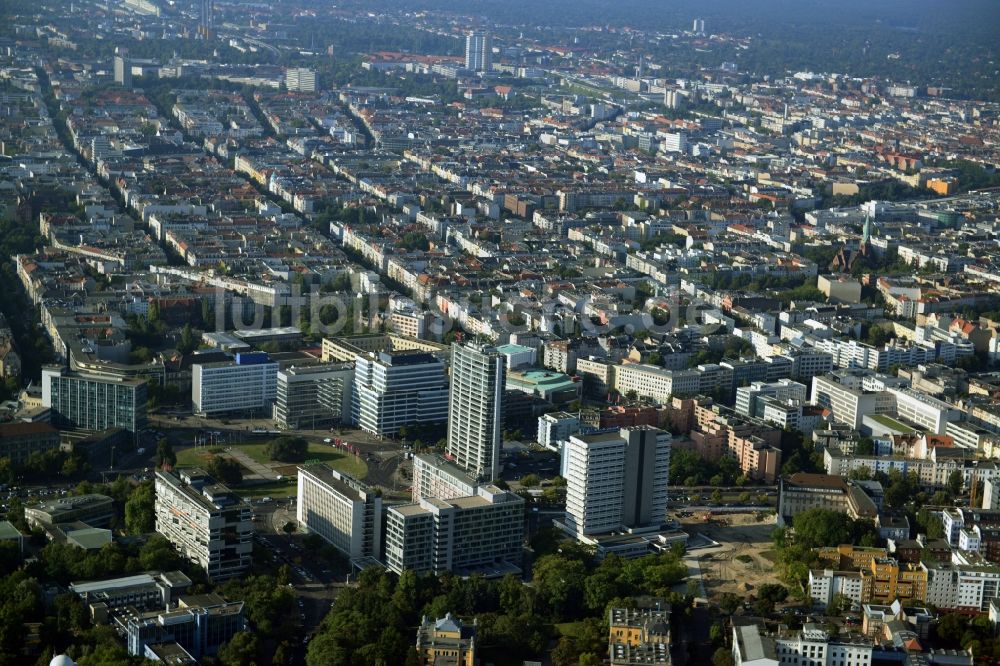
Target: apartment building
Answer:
pixel 842 392
pixel 886 580
pixel 482 532
pixel 300 79
pixel 207 523
pixel 639 635
pixel 346 513
pixel 825 584
pixel 556 427
pixel 650 381
pixel 784 389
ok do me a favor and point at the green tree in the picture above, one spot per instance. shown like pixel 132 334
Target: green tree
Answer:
pixel 165 456
pixel 188 342
pixel 559 582
pixel 529 480
pixel 140 517
pixel 241 650
pixel 955 482
pixel 287 449
pixel 226 470
pixel 565 653
pixel 158 554
pixel 722 657
pixel 821 527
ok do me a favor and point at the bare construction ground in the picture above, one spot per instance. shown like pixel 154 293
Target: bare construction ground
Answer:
pixel 737 564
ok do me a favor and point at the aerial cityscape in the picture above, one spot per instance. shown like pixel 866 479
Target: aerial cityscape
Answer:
pixel 555 333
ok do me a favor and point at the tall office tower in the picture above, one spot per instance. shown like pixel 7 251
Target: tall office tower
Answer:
pixel 616 481
pixel 478 51
pixel 206 24
pixel 123 70
pixel 475 409
pixel 699 27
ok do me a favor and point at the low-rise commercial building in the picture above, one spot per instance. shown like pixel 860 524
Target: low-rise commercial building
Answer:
pixel 93 509
pixel 200 624
pixel 145 591
pixel 803 491
pixel 19 440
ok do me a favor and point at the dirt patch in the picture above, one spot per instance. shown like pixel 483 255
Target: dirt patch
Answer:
pixel 739 564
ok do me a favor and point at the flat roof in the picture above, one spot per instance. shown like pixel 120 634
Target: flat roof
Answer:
pixel 87 587
pixel 326 475
pixel 514 349
pixel 408 509
pixel 8 531
pixel 599 437
pixel 72 503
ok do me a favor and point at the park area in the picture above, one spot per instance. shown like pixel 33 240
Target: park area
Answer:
pixel 260 471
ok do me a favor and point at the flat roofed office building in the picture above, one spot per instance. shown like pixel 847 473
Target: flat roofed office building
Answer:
pixel 346 513
pixel 249 382
pixel 93 403
pixel 399 388
pixel 313 396
pixel 483 532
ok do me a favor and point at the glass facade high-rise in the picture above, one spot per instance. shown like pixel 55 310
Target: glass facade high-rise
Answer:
pixel 475 409
pixel 93 403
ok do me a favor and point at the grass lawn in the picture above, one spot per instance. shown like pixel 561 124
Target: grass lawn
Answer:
pixel 769 555
pixel 571 629
pixel 335 458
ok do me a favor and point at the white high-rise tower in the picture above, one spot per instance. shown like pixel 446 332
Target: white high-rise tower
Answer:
pixel 475 409
pixel 479 51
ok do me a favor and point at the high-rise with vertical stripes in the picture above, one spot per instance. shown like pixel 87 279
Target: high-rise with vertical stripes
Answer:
pixel 478 51
pixel 475 409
